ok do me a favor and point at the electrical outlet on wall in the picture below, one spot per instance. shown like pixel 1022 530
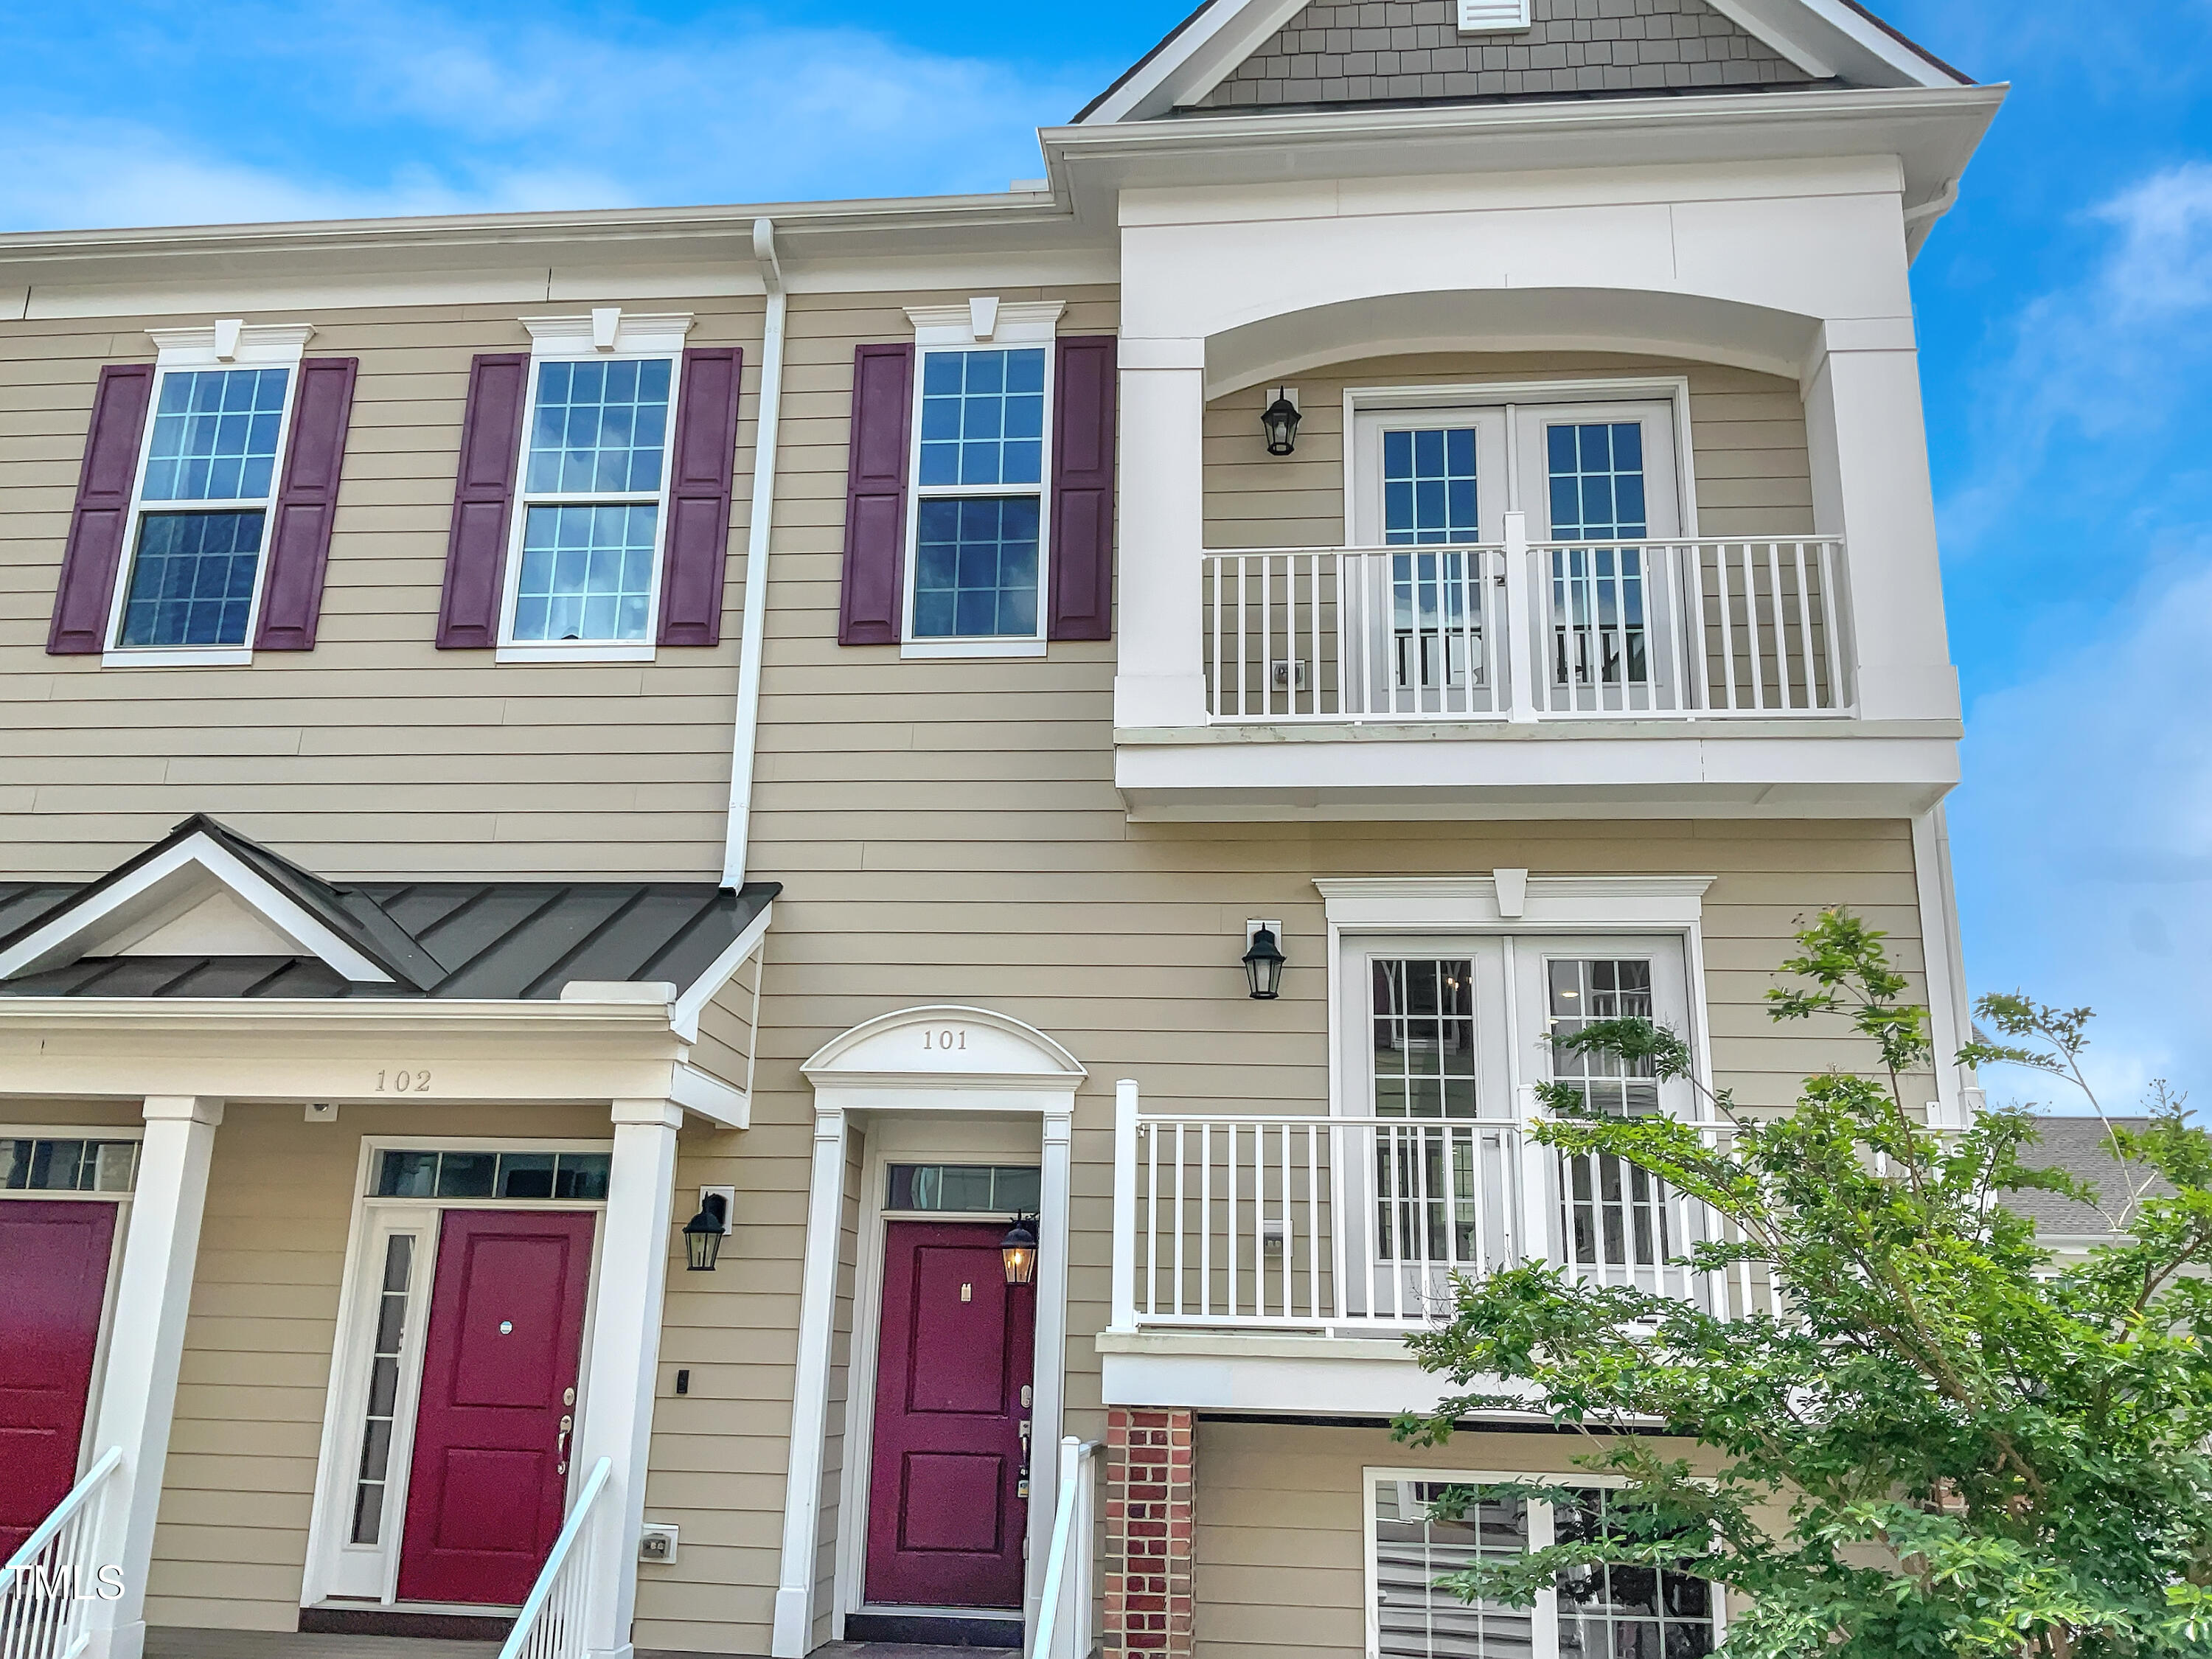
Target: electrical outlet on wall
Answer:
pixel 656 1544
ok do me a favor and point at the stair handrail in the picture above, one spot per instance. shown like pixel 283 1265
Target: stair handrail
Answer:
pixel 551 1623
pixel 35 1622
pixel 1074 1454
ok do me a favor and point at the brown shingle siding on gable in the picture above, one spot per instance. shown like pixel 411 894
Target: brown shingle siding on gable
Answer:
pixel 1394 50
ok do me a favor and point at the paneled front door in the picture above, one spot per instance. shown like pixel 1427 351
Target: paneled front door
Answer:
pixel 492 1438
pixel 946 1507
pixel 53 1283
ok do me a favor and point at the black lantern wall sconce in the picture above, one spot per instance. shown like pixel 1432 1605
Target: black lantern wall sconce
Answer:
pixel 704 1233
pixel 1018 1250
pixel 1280 421
pixel 1264 960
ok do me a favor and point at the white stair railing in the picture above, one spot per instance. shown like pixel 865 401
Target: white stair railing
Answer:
pixel 1066 1611
pixel 52 1581
pixel 555 1620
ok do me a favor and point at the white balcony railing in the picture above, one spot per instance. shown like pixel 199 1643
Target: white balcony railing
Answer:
pixel 1346 1225
pixel 53 1582
pixel 1519 631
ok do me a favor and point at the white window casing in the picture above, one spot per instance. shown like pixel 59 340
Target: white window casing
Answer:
pixel 607 334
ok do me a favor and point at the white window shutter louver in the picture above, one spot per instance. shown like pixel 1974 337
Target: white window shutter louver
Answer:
pixel 1478 16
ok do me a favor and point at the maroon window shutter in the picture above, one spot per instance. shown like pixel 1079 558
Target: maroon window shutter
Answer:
pixel 1083 491
pixel 870 612
pixel 483 501
pixel 94 557
pixel 299 541
pixel 699 494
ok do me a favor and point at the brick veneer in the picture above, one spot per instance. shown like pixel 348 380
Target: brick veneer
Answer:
pixel 1150 1469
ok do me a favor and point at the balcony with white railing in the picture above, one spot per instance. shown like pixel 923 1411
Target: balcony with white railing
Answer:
pixel 1735 630
pixel 1705 676
pixel 1278 1261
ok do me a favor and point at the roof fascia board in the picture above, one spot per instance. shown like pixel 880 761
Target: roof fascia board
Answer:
pixel 1193 61
pixel 692 1002
pixel 61 939
pixel 335 1015
pixel 1829 38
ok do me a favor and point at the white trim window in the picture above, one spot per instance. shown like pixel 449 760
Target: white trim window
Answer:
pixel 590 517
pixel 1602 1612
pixel 979 512
pixel 208 468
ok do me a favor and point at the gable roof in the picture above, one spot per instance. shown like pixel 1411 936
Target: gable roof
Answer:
pixel 476 939
pixel 1421 55
pixel 2083 1148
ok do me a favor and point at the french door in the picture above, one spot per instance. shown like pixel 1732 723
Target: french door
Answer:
pixel 1597 482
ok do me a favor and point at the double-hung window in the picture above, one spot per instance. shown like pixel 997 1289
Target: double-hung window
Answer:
pixel 1602 1612
pixel 983 429
pixel 591 513
pixel 206 484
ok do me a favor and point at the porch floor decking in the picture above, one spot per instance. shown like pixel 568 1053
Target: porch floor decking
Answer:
pixel 174 1642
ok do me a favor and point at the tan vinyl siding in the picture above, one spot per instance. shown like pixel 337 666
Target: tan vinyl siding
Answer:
pixel 375 754
pixel 231 1544
pixel 1746 441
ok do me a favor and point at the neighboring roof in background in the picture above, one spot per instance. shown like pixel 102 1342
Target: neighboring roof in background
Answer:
pixel 493 940
pixel 2081 1147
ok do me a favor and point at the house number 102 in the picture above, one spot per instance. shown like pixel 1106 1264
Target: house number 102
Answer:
pixel 951 1040
pixel 402 1083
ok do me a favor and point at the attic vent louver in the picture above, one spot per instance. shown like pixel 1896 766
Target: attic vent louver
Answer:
pixel 1482 16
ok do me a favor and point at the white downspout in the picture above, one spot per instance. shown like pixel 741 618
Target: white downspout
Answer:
pixel 745 743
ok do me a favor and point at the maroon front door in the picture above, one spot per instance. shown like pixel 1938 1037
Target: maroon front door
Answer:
pixel 53 1282
pixel 493 1436
pixel 945 1510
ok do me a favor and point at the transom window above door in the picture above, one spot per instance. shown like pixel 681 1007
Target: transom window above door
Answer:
pixel 579 1177
pixel 964 1188
pixel 61 1165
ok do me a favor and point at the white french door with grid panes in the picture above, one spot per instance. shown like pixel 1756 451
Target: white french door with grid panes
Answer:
pixel 1597 482
pixel 1610 1222
pixel 1427 481
pixel 1428 1175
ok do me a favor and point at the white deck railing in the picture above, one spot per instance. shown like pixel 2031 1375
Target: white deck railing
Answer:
pixel 1738 628
pixel 555 1620
pixel 1276 1221
pixel 50 1584
pixel 1068 1608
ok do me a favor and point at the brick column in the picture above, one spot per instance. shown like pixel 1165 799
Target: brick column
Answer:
pixel 1149 1472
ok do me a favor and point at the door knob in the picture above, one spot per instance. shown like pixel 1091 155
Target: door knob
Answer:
pixel 561 1445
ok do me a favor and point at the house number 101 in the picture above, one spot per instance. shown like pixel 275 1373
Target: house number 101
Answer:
pixel 952 1041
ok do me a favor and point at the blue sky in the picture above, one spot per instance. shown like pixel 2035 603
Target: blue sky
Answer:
pixel 2064 307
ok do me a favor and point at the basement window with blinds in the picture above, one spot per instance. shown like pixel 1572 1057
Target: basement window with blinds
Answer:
pixel 1605 1613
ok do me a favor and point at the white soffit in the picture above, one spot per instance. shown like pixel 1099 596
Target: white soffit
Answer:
pixel 197 890
pixel 1824 38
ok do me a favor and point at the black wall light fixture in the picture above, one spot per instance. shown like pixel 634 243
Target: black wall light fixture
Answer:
pixel 703 1233
pixel 1263 962
pixel 1280 420
pixel 1018 1250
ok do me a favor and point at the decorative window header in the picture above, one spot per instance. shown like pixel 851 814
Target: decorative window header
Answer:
pixel 609 329
pixel 987 321
pixel 231 343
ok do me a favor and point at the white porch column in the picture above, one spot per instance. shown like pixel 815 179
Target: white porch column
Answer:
pixel 625 1347
pixel 1870 485
pixel 809 1396
pixel 1047 1386
pixel 1160 673
pixel 139 1391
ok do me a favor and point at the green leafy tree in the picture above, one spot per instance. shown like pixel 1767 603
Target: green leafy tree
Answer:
pixel 1945 1442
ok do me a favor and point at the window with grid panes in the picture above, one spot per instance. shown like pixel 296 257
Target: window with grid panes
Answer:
pixel 978 483
pixel 1616 1214
pixel 203 495
pixel 1424 1067
pixel 1595 474
pixel 1607 1612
